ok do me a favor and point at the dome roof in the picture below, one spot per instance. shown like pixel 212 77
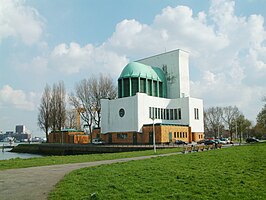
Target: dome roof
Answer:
pixel 135 69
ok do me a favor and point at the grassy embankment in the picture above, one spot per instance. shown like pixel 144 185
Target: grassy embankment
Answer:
pixel 56 160
pixel 232 173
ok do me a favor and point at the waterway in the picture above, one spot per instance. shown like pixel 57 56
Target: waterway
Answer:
pixel 6 154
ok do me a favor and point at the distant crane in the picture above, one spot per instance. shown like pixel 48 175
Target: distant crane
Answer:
pixel 79 110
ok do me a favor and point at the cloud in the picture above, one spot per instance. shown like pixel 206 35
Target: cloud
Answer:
pixel 227 51
pixel 20 21
pixel 17 98
pixel 73 59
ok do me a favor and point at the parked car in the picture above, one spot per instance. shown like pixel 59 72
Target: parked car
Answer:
pixel 97 141
pixel 225 140
pixel 250 140
pixel 210 142
pixel 180 142
pixel 220 141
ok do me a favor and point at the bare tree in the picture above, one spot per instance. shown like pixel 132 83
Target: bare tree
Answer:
pixel 44 111
pixel 230 114
pixel 71 119
pixel 82 102
pixel 101 88
pixel 58 107
pixel 213 120
pixel 87 96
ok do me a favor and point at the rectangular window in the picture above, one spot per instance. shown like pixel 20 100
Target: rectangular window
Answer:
pixel 149 89
pixel 196 113
pixel 154 89
pixel 167 114
pixel 156 113
pixel 126 87
pixel 162 115
pixel 142 85
pixel 179 113
pixel 175 114
pixel 120 88
pixel 152 113
pixel 175 134
pixel 150 116
pixel 178 134
pixel 160 89
pixel 159 113
pixel 171 114
pixel 135 87
pixel 122 136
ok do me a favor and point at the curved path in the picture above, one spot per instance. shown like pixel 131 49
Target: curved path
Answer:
pixel 37 182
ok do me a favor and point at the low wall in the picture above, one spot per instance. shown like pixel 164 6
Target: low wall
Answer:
pixel 74 149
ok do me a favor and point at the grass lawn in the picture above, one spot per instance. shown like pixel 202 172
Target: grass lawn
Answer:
pixel 55 160
pixel 230 173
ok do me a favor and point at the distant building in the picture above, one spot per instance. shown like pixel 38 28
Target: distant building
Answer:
pixel 22 134
pixel 153 91
pixel 20 129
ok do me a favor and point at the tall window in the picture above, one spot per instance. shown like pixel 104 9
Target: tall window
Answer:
pixel 175 114
pixel 126 87
pixel 167 114
pixel 160 89
pixel 196 113
pixel 142 85
pixel 154 89
pixel 149 89
pixel 179 113
pixel 119 88
pixel 171 114
pixel 135 87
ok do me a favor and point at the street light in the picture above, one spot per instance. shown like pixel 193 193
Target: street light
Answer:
pixel 153 130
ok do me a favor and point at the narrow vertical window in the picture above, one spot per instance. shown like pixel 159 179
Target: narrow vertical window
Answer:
pixel 120 88
pixel 167 114
pixel 196 113
pixel 175 114
pixel 179 113
pixel 171 114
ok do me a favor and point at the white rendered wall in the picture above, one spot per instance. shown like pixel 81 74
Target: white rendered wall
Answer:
pixel 137 113
pixel 197 125
pixel 110 119
pixel 177 69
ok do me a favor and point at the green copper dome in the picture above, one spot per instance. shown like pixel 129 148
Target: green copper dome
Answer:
pixel 139 78
pixel 135 69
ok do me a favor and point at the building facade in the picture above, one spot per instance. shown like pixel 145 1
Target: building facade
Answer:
pixel 154 93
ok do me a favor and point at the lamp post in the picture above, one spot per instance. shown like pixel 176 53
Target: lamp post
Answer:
pixel 153 130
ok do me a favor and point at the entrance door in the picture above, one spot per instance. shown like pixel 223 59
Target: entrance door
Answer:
pixel 150 137
pixel 170 137
pixel 110 138
pixel 135 141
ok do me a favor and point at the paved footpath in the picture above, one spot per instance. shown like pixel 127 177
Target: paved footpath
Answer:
pixel 37 182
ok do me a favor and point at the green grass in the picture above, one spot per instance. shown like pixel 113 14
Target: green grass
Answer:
pixel 233 173
pixel 55 160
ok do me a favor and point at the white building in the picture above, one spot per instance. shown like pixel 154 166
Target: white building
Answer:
pixel 153 90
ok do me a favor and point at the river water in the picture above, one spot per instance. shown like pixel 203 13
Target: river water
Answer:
pixel 6 155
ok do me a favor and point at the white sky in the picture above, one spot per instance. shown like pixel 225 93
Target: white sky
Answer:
pixel 46 41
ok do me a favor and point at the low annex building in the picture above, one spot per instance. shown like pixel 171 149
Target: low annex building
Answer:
pixel 153 91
